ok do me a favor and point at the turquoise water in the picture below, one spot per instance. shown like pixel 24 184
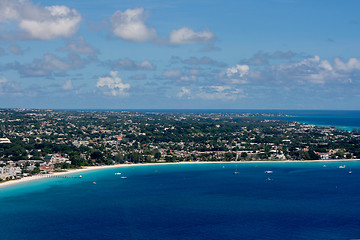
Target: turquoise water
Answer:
pixel 189 201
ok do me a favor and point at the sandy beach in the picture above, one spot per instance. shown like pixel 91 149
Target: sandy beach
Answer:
pixel 92 168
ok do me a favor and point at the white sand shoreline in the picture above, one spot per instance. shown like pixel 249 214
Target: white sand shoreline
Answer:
pixel 91 168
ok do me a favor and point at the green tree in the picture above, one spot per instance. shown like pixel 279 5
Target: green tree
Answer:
pixel 157 155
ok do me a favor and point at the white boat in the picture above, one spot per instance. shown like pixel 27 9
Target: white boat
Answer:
pixel 268 171
pixel 118 173
pixel 235 173
pixel 123 177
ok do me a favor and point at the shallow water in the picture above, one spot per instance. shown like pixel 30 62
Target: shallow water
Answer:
pixel 189 201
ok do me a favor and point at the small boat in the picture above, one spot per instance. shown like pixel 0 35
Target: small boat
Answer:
pixel 94 182
pixel 269 179
pixel 78 177
pixel 268 171
pixel 343 166
pixel 123 177
pixel 235 173
pixel 118 173
pixel 350 172
pixel 324 165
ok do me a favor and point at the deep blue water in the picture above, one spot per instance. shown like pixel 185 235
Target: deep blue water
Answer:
pixel 344 119
pixel 192 201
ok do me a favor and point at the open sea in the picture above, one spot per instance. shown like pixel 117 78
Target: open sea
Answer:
pixel 298 200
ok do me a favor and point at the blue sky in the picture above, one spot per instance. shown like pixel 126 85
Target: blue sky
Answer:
pixel 207 54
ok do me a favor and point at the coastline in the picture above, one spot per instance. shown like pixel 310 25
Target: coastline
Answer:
pixel 91 168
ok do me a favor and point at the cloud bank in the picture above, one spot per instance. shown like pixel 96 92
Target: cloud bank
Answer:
pixel 130 65
pixel 113 85
pixel 187 35
pixel 130 25
pixel 42 23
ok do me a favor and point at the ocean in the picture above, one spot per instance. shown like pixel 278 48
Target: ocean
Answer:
pixel 341 119
pixel 298 200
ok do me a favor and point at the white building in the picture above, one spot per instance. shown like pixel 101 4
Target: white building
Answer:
pixel 5 140
pixel 9 171
pixel 56 158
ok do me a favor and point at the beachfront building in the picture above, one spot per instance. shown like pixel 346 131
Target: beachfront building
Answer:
pixel 46 169
pixel 324 156
pixel 4 140
pixel 52 159
pixel 9 171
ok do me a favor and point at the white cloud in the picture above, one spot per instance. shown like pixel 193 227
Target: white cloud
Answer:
pixel 8 10
pixel 184 92
pixel 44 23
pixel 287 71
pixel 60 21
pixel 237 71
pixel 306 65
pixel 187 35
pixel 182 76
pixel 220 92
pixel 353 64
pixel 67 86
pixel 128 64
pixel 130 26
pixel 113 85
pixel 236 75
pixel 326 65
pixel 51 62
pixel 146 65
pixel 9 88
pixel 313 70
pixel 215 92
pixel 48 64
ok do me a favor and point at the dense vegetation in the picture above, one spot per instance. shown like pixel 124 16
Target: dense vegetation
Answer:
pixel 89 138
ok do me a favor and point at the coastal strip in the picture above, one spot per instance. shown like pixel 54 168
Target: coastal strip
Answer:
pixel 94 168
